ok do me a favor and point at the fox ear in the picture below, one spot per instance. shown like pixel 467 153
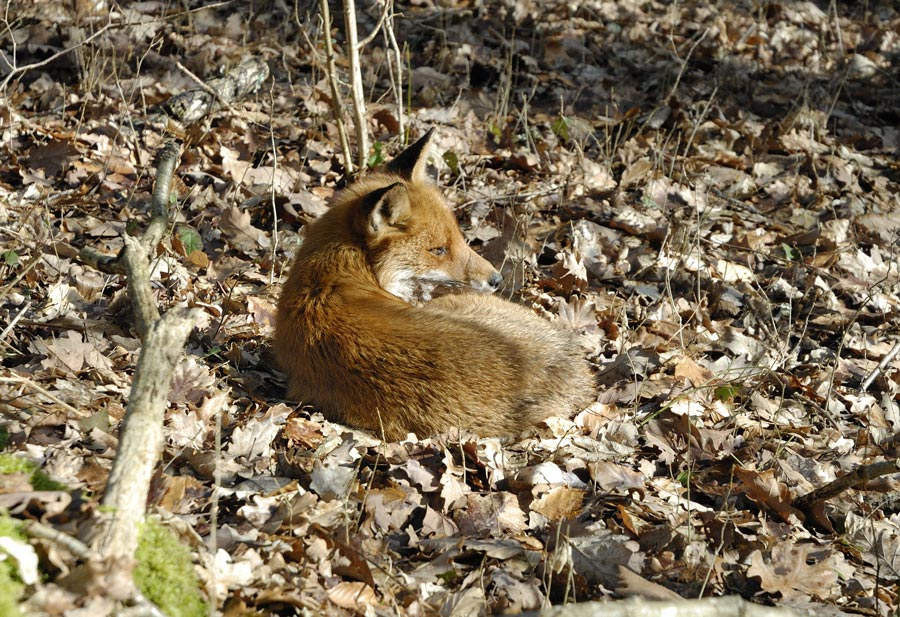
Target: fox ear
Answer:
pixel 385 208
pixel 410 164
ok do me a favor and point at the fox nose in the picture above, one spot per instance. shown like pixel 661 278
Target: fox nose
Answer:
pixel 495 280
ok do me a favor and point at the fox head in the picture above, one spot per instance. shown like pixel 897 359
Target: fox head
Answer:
pixel 412 240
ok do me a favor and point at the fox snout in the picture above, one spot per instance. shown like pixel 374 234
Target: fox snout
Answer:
pixel 481 274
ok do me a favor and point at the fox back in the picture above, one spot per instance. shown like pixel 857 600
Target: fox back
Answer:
pixel 359 336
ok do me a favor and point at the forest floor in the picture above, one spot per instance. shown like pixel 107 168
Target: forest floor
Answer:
pixel 707 193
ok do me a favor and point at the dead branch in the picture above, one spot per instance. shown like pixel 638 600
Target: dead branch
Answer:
pixel 141 433
pixel 356 90
pixel 159 222
pixel 16 70
pixel 45 532
pixel 337 102
pixel 191 106
pixel 732 606
pixel 859 476
pixel 887 359
pixel 25 381
pixel 371 36
pixel 396 81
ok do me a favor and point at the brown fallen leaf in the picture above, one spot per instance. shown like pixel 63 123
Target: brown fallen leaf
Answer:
pixel 235 223
pixel 797 571
pixel 353 595
pixel 560 503
pixel 767 491
pixel 693 372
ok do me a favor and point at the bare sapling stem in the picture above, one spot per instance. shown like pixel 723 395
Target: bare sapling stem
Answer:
pixel 337 101
pixel 358 96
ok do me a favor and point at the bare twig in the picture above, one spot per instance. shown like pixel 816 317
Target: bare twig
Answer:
pixel 34 65
pixel 359 103
pixel 14 320
pixel 30 384
pixel 371 36
pixel 887 359
pixel 684 64
pixel 396 79
pixel 853 479
pixel 337 103
pixel 45 532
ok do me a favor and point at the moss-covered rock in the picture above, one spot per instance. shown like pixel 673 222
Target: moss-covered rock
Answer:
pixel 164 572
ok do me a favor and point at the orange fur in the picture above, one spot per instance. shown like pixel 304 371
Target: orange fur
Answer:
pixel 373 359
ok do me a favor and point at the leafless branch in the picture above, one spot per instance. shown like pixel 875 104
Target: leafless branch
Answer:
pixel 371 36
pixel 858 477
pixel 359 103
pixel 337 103
pixel 887 359
pixel 34 65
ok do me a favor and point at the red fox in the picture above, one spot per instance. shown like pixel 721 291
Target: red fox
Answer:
pixel 355 341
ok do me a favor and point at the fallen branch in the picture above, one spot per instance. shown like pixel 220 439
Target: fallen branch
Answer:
pixel 732 606
pixel 45 532
pixel 141 432
pixel 859 476
pixel 192 105
pixel 159 221
pixel 887 359
pixel 25 381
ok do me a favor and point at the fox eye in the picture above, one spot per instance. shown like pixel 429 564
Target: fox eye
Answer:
pixel 439 251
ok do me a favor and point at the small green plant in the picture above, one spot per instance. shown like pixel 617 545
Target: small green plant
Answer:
pixel 452 161
pixel 10 257
pixel 496 131
pixel 10 463
pixel 790 253
pixel 377 157
pixel 727 392
pixel 164 572
pixel 189 238
pixel 560 128
pixel 11 587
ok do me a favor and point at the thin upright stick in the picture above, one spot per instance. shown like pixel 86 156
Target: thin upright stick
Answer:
pixel 359 103
pixel 396 80
pixel 337 102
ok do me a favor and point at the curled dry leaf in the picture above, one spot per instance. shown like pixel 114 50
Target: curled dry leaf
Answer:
pixel 353 595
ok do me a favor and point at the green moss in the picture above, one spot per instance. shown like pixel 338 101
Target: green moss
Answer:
pixel 164 573
pixel 10 586
pixel 42 482
pixel 10 463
